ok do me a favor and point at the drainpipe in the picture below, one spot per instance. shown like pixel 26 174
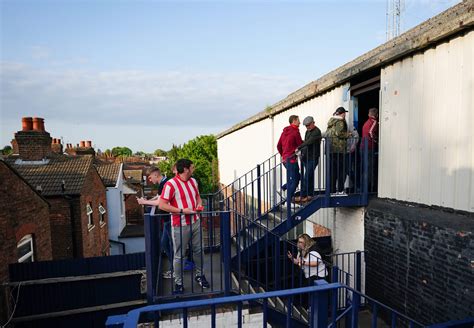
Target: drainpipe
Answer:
pixel 71 214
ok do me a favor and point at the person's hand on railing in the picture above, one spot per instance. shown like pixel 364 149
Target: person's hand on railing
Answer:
pixel 188 211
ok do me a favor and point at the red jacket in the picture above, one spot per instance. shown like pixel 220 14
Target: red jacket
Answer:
pixel 370 131
pixel 289 140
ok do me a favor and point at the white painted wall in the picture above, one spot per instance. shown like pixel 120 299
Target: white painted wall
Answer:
pixel 427 123
pixel 241 151
pixel 117 219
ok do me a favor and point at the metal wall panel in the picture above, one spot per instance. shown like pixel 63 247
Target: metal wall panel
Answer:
pixel 427 121
pixel 242 150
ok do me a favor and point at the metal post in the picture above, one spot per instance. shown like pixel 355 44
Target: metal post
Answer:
pixel 365 168
pixel 152 252
pixel 319 306
pixel 358 264
pixel 225 241
pixel 355 310
pixel 277 263
pixel 328 171
pixel 259 193
pixel 288 195
pixel 335 278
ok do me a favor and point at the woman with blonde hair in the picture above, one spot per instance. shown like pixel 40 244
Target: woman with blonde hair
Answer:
pixel 308 259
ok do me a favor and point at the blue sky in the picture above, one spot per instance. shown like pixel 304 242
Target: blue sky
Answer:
pixel 146 74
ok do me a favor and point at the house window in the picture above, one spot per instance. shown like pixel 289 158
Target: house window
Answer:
pixel 89 211
pixel 102 212
pixel 25 249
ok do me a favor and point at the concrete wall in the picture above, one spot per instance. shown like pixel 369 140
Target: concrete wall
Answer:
pixel 427 123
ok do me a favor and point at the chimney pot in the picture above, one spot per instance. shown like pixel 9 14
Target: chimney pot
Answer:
pixel 89 144
pixel 38 124
pixel 82 144
pixel 27 123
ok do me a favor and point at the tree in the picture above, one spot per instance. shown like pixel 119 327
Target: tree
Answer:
pixel 121 151
pixel 202 151
pixel 7 150
pixel 160 152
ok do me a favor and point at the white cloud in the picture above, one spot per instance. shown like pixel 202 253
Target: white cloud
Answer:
pixel 136 97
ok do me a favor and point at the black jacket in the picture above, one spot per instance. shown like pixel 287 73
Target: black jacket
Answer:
pixel 311 147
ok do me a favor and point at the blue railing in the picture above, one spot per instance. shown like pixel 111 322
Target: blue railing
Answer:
pixel 319 312
pixel 212 226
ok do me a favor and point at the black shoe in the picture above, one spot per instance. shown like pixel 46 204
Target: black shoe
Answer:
pixel 201 280
pixel 178 289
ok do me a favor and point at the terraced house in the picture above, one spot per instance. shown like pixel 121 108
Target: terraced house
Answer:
pixel 71 185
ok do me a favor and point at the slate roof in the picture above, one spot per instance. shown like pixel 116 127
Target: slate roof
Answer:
pixel 50 176
pixel 109 173
pixel 133 176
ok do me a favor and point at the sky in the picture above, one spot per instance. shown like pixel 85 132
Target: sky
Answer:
pixel 149 74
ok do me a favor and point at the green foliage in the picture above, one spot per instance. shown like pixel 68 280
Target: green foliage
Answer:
pixel 160 152
pixel 121 151
pixel 202 151
pixel 7 150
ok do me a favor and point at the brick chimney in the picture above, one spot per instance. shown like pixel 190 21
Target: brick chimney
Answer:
pixel 57 146
pixel 70 150
pixel 85 148
pixel 34 143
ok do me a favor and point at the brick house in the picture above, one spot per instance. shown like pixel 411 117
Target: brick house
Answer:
pixel 25 233
pixel 72 186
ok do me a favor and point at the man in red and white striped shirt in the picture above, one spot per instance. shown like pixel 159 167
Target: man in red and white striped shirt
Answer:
pixel 181 198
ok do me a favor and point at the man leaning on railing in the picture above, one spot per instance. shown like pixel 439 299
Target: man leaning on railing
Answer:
pixel 181 198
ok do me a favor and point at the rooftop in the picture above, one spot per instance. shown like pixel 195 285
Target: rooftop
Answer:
pixel 56 173
pixel 109 173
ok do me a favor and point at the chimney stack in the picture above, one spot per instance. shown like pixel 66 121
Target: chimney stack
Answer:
pixel 85 148
pixel 33 142
pixel 57 147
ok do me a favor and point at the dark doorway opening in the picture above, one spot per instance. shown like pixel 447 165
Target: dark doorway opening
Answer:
pixel 365 94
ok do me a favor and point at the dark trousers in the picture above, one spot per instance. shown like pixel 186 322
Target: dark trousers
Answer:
pixel 372 169
pixel 293 177
pixel 338 171
pixel 307 177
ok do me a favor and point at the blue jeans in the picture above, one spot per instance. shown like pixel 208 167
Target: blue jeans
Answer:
pixel 293 177
pixel 307 180
pixel 166 242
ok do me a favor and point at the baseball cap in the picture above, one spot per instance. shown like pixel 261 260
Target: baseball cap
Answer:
pixel 308 120
pixel 340 110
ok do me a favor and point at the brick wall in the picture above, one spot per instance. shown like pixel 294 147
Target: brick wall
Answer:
pixel 61 228
pixel 33 145
pixel 420 260
pixel 22 212
pixel 94 241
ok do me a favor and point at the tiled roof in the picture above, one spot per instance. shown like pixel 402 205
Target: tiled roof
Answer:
pixel 109 173
pixel 133 176
pixel 3 162
pixel 50 176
